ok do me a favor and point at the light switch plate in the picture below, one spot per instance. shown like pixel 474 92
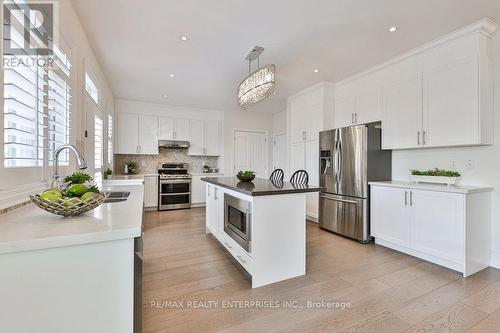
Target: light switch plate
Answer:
pixel 469 164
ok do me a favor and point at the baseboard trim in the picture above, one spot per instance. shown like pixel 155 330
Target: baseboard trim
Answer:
pixel 312 218
pixel 495 259
pixel 196 205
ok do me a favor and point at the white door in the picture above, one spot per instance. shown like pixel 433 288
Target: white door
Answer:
pixel 167 128
pixel 297 157
pixel 437 224
pixel 390 215
pixel 182 130
pixel 127 141
pixel 451 108
pixel 250 152
pixel 212 137
pixel 279 152
pixel 402 114
pixel 368 106
pixel 344 112
pixel 148 135
pixel 151 191
pixel 197 134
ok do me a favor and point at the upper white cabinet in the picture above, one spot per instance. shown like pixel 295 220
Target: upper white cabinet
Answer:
pixel 438 95
pixel 205 137
pixel 137 134
pixel 174 129
pixel 353 105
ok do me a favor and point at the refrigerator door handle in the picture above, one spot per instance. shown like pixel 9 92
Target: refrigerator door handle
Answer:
pixel 326 196
pixel 327 165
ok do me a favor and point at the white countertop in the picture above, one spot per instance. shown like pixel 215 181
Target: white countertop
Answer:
pixel 136 176
pixel 32 228
pixel 433 187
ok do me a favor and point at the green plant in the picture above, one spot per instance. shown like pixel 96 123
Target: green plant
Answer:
pixel 246 173
pixel 78 178
pixel 108 172
pixel 436 172
pixel 132 165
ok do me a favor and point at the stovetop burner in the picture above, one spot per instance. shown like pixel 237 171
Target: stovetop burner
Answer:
pixel 173 171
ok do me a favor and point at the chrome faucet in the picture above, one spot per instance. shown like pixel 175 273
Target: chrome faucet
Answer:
pixel 79 160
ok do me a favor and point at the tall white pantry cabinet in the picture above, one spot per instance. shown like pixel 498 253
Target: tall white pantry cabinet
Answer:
pixel 308 113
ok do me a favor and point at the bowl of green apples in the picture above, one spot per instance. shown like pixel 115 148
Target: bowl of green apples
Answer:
pixel 246 176
pixel 77 196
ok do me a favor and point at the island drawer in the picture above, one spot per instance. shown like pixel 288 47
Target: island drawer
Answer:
pixel 237 252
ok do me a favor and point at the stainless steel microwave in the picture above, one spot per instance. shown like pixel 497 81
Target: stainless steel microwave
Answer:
pixel 238 220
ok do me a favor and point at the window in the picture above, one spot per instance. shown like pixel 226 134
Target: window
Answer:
pixel 36 105
pixel 98 148
pixel 91 88
pixel 110 139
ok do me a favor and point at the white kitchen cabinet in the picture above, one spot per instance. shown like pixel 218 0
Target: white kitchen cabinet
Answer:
pixel 214 212
pixel 151 191
pixel 297 157
pixel 212 137
pixel 137 134
pixel 148 135
pixel 198 188
pixel 344 111
pixel 205 138
pixel 445 225
pixel 402 114
pixel 127 140
pixel 312 168
pixel 451 104
pixel 174 129
pixel 368 106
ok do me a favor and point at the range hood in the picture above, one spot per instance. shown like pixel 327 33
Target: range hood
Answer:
pixel 173 144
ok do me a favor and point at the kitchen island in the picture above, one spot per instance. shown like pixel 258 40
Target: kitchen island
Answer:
pixel 72 274
pixel 261 224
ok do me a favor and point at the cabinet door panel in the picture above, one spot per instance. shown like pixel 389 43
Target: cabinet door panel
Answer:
pixel 212 137
pixel 369 106
pixel 166 128
pixel 197 190
pixel 197 133
pixel 344 111
pixel 298 121
pixel 182 131
pixel 390 217
pixel 148 135
pixel 151 191
pixel 402 114
pixel 437 224
pixel 297 157
pixel 312 168
pixel 451 109
pixel 127 141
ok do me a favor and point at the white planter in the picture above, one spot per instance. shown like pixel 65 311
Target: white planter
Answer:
pixel 434 179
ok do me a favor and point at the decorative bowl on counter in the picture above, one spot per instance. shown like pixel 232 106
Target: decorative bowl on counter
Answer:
pixel 436 176
pixel 246 176
pixel 69 206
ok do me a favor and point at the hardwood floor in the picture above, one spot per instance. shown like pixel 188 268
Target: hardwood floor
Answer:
pixel 192 285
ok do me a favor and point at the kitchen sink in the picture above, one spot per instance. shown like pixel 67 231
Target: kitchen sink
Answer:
pixel 117 196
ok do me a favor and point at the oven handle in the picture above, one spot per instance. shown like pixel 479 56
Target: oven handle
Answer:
pixel 183 193
pixel 176 181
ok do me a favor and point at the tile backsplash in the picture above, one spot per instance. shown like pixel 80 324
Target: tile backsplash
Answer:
pixel 149 163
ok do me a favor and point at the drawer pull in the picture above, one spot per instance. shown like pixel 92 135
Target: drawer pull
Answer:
pixel 227 245
pixel 241 259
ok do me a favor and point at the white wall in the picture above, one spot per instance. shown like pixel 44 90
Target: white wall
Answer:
pixel 244 120
pixel 279 122
pixel 486 161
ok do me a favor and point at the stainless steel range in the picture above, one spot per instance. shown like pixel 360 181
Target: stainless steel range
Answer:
pixel 174 190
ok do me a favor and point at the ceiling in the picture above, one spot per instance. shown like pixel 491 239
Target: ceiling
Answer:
pixel 137 42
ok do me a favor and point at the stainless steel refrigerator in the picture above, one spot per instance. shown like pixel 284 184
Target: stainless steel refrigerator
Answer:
pixel 350 157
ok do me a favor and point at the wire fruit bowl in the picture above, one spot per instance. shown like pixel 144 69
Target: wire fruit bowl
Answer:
pixel 69 207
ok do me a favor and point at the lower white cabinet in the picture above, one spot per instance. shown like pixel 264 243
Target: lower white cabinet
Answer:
pixel 214 210
pixel 442 226
pixel 150 191
pixel 305 156
pixel 198 188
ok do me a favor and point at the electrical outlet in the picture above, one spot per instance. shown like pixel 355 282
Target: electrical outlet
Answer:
pixel 469 164
pixel 453 164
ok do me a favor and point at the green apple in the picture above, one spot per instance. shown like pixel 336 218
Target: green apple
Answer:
pixel 89 195
pixel 70 202
pixel 77 190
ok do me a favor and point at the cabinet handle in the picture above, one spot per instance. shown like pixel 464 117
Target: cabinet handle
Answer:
pixel 355 117
pixel 241 259
pixel 406 198
pixel 411 198
pixel 352 118
pixel 418 138
pixel 227 245
pixel 215 193
pixel 423 138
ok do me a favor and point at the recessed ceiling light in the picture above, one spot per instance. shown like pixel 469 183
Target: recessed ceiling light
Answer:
pixel 172 74
pixel 392 29
pixel 165 96
pixel 274 92
pixel 184 38
pixel 316 70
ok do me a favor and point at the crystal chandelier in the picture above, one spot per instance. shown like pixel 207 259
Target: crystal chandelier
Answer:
pixel 257 85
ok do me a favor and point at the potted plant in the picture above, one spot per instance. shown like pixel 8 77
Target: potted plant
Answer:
pixel 246 176
pixel 107 173
pixel 438 176
pixel 132 167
